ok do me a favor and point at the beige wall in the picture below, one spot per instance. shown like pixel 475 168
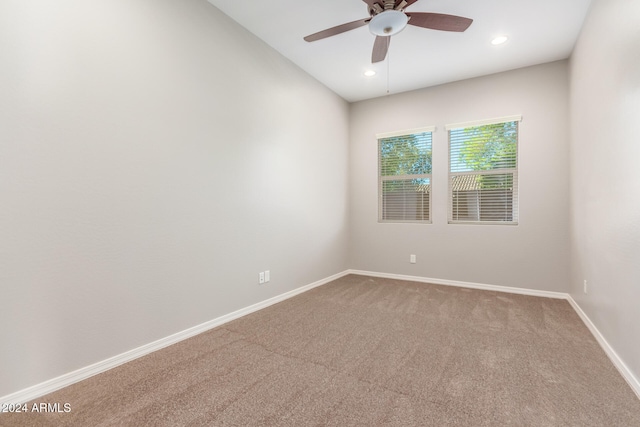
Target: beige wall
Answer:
pixel 154 157
pixel 533 254
pixel 605 183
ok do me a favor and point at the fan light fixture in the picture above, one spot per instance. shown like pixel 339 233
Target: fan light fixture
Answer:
pixel 388 23
pixel 369 73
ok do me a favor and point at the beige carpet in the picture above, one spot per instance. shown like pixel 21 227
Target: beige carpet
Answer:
pixel 367 351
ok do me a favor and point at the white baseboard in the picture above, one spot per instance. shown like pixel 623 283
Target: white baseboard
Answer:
pixel 459 284
pixel 613 356
pixel 52 385
pixel 65 380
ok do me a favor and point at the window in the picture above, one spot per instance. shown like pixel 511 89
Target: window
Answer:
pixel 483 172
pixel 405 176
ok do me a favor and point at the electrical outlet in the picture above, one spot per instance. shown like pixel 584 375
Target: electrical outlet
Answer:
pixel 261 279
pixel 585 286
pixel 412 259
pixel 267 276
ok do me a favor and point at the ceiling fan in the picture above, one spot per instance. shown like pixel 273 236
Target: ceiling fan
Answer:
pixel 387 17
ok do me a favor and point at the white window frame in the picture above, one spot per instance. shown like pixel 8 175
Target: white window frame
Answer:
pixel 513 171
pixel 381 179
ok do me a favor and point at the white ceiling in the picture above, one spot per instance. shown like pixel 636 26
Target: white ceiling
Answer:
pixel 539 31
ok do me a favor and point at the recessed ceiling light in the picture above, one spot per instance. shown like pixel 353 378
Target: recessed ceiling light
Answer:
pixel 499 40
pixel 369 73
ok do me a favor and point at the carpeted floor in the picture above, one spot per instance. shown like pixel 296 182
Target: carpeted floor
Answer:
pixel 367 351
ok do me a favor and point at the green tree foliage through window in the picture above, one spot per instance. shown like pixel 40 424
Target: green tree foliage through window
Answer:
pixel 405 177
pixel 486 147
pixel 406 155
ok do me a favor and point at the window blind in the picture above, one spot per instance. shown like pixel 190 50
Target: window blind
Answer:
pixel 483 173
pixel 405 177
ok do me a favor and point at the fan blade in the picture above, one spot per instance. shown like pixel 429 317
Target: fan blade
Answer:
pixel 438 21
pixel 380 48
pixel 337 30
pixel 409 3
